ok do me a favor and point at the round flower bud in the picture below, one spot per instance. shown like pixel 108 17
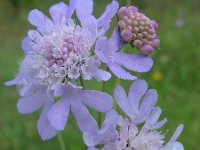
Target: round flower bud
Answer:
pixel 127 35
pixel 138 29
pixel 146 49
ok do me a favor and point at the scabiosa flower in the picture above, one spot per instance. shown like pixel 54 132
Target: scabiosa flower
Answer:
pixel 108 50
pixel 138 29
pixel 140 130
pixel 57 53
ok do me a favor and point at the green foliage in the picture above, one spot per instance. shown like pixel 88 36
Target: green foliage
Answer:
pixel 175 74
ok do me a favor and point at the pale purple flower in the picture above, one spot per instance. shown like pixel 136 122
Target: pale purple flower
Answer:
pixel 74 99
pixel 58 52
pixel 108 50
pixel 140 131
pixel 137 29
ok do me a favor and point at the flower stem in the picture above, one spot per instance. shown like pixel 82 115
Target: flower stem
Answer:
pixel 82 82
pixel 100 115
pixel 61 141
pixel 128 2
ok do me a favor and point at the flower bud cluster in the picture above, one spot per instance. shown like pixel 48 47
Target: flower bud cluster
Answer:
pixel 138 29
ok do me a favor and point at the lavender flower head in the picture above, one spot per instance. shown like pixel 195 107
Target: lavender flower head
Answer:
pixel 138 29
pixel 57 53
pixel 138 131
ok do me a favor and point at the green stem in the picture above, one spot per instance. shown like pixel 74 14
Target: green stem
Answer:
pixel 100 115
pixel 61 141
pixel 128 2
pixel 82 82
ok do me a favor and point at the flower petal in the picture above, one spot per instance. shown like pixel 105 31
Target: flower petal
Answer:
pixel 120 72
pixel 84 9
pixel 148 103
pixel 152 119
pixel 100 49
pixel 58 11
pixel 136 91
pixel 135 62
pixel 38 19
pixel 14 81
pixel 122 100
pixel 72 7
pixel 59 113
pixel 26 45
pixel 26 89
pixel 101 75
pixel 177 146
pixel 90 24
pixel 45 129
pixel 110 11
pixel 98 100
pixel 103 29
pixel 85 121
pixel 115 42
pixel 30 103
pixel 154 116
pixel 176 133
pixel 91 139
pixel 111 120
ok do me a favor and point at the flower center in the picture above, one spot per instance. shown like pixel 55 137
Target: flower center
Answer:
pixel 62 52
pixel 131 138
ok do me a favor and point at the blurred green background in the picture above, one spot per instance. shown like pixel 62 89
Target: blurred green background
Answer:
pixel 175 74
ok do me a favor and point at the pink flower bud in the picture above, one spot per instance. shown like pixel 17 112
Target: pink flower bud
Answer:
pixel 127 35
pixel 156 43
pixel 122 24
pixel 137 43
pixel 154 24
pixel 133 9
pixel 146 49
pixel 123 11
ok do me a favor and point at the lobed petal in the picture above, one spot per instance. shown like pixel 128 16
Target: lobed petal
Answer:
pixel 115 42
pixel 177 146
pixel 30 103
pixel 98 100
pixel 120 72
pixel 110 11
pixel 176 133
pixel 122 100
pixel 85 121
pixel 26 89
pixel 102 31
pixel 134 62
pixel 26 45
pixel 45 129
pixel 91 139
pixel 101 75
pixel 148 103
pixel 111 119
pixel 38 19
pixel 84 9
pixel 154 116
pixel 16 80
pixel 136 91
pixel 100 49
pixel 72 7
pixel 58 12
pixel 90 24
pixel 58 114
